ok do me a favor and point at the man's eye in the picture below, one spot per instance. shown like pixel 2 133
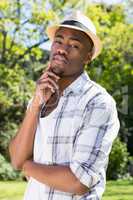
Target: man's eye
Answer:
pixel 58 42
pixel 74 46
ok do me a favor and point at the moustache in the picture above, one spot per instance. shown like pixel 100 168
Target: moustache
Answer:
pixel 61 57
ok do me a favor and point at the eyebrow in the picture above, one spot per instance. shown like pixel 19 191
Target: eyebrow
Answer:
pixel 71 38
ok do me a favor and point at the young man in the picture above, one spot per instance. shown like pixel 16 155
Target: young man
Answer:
pixel 64 141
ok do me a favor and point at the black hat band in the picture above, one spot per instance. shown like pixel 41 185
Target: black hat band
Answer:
pixel 76 24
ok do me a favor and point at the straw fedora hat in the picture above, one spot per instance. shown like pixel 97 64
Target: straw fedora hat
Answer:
pixel 80 22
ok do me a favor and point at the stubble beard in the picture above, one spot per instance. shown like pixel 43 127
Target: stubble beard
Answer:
pixel 57 70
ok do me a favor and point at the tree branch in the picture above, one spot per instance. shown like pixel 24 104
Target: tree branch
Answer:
pixel 18 9
pixel 4 33
pixel 15 31
pixel 27 51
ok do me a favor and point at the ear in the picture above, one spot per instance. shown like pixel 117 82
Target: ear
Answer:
pixel 88 58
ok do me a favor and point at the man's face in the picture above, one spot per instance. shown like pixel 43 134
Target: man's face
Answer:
pixel 70 52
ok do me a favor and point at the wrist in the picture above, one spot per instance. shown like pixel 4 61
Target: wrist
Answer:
pixel 37 101
pixel 27 167
pixel 35 105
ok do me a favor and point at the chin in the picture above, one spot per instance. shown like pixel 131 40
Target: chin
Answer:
pixel 57 70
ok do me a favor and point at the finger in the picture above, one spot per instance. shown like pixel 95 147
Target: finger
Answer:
pixel 53 75
pixel 44 75
pixel 45 80
pixel 44 86
pixel 49 73
pixel 48 67
pixel 50 81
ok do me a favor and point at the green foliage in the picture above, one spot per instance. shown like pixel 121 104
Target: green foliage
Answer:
pixel 7 172
pixel 15 91
pixel 20 33
pixel 113 67
pixel 21 59
pixel 118 160
pixel 130 166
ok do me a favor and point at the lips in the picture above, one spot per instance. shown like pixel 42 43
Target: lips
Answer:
pixel 60 58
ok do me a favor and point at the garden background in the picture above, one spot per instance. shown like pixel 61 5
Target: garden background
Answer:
pixel 24 53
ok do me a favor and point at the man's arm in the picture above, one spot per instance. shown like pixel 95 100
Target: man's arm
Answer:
pixel 93 145
pixel 94 140
pixel 21 146
pixel 55 176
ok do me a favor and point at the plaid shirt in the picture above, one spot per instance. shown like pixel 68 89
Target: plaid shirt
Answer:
pixel 79 134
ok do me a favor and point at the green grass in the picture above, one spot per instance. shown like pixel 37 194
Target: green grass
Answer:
pixel 11 190
pixel 115 190
pixel 119 190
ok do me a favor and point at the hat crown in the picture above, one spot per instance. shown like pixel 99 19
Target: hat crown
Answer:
pixel 79 17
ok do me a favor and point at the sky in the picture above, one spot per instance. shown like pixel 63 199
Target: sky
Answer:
pixel 47 45
pixel 107 1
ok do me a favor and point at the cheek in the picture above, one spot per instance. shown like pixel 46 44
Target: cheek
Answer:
pixel 83 57
pixel 52 51
pixel 54 47
pixel 77 57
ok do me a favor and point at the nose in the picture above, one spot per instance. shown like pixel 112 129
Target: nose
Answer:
pixel 63 50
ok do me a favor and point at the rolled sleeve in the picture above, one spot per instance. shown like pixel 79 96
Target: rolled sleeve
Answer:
pixel 88 179
pixel 94 141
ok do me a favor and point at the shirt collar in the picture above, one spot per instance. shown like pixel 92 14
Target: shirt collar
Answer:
pixel 76 87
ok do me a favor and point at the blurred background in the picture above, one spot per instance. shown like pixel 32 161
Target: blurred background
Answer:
pixel 24 53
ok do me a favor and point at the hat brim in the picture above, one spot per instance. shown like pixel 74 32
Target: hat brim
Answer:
pixel 96 41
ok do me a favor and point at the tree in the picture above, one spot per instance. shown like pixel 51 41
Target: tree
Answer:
pixel 21 59
pixel 129 10
pixel 113 68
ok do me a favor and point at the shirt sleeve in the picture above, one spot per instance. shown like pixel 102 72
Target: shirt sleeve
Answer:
pixel 93 141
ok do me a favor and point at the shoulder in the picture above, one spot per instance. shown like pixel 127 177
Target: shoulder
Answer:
pixel 96 95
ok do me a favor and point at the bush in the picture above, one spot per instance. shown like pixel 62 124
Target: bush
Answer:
pixel 130 166
pixel 118 160
pixel 7 172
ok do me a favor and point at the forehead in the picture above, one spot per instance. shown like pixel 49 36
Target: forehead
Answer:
pixel 71 33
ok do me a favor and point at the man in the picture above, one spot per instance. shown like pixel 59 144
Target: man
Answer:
pixel 66 136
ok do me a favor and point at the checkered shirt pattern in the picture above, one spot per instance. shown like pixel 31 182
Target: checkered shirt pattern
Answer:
pixel 79 133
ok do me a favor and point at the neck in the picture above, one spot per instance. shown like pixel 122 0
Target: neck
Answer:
pixel 64 82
